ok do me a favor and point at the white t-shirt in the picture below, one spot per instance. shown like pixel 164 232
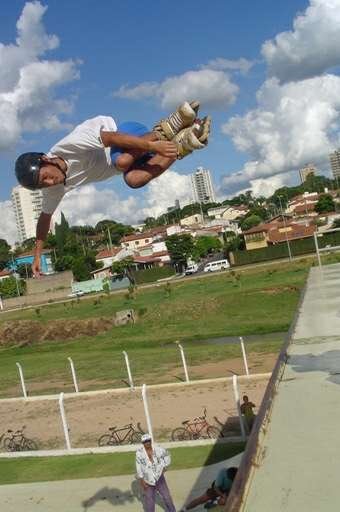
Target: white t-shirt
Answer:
pixel 87 159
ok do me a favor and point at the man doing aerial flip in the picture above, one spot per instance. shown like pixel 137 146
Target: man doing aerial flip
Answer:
pixel 98 149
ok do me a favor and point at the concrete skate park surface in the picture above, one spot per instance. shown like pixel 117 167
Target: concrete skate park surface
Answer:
pixel 120 493
pixel 296 464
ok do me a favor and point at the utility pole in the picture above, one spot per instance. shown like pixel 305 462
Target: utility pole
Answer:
pixel 109 235
pixel 285 225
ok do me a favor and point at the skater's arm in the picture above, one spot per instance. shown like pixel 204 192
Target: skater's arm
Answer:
pixel 130 142
pixel 43 227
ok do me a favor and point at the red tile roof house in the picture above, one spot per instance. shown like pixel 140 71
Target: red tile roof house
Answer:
pixel 108 256
pixel 276 232
pixel 5 274
pixel 138 240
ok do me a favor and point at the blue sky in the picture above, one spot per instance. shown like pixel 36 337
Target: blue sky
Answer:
pixel 132 59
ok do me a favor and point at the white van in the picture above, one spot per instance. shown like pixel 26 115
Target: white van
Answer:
pixel 191 269
pixel 216 265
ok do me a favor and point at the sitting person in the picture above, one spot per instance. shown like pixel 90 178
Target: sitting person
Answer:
pixel 217 492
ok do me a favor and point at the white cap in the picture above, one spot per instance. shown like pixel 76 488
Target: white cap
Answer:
pixel 145 438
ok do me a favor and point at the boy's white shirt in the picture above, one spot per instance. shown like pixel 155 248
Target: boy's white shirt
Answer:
pixel 87 159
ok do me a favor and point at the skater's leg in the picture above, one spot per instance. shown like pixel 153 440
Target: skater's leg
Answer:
pixel 139 175
pixel 124 161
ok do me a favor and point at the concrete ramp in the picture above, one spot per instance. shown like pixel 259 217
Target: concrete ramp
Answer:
pixel 292 462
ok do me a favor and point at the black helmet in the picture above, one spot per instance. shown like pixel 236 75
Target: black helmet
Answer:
pixel 27 169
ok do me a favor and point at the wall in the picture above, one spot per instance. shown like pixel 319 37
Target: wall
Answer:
pixel 52 283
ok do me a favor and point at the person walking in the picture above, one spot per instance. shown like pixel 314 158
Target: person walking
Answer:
pixel 151 463
pixel 248 413
pixel 98 149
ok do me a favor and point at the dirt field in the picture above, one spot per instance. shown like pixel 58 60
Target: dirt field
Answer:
pixel 90 416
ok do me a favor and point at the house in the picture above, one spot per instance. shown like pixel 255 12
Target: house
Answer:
pixel 5 274
pixel 303 205
pixel 228 213
pixel 191 220
pixel 137 240
pixel 275 232
pixel 155 254
pixel 108 256
pixel 26 258
pixel 102 273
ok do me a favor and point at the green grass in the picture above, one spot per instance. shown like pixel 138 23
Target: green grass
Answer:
pixel 264 301
pixel 39 469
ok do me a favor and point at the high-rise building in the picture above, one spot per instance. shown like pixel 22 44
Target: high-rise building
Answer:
pixel 334 159
pixel 175 207
pixel 202 187
pixel 26 205
pixel 307 170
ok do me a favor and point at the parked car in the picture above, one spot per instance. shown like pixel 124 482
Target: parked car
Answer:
pixel 191 269
pixel 76 294
pixel 212 266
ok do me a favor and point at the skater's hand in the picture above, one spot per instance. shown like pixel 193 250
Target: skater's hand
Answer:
pixel 36 268
pixel 164 148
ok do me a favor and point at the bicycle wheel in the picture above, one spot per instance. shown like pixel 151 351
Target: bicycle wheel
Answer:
pixel 29 445
pixel 9 444
pixel 213 432
pixel 136 437
pixel 107 440
pixel 180 434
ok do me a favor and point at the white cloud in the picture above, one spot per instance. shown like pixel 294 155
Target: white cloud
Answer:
pixel 294 123
pixel 8 230
pixel 242 65
pixel 311 48
pixel 28 80
pixel 212 87
pixel 89 205
pixel 163 191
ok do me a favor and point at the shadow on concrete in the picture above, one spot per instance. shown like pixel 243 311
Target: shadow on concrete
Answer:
pixel 116 496
pixel 328 362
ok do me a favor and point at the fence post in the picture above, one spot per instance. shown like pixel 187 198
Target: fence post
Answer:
pixel 317 248
pixel 22 380
pixel 64 420
pixel 184 362
pixel 128 370
pixel 146 411
pixel 237 400
pixel 74 377
pixel 244 356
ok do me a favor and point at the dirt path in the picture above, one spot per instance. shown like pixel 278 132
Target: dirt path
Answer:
pixel 90 416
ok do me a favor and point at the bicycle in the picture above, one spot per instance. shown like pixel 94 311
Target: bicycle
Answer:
pixel 117 436
pixel 198 428
pixel 18 442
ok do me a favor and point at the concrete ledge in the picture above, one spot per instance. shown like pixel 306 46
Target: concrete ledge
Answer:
pixel 117 449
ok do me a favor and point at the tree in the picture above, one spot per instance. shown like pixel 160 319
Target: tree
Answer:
pixel 5 250
pixel 250 222
pixel 24 270
pixel 82 266
pixel 180 248
pixel 205 245
pixel 123 268
pixel 235 243
pixel 28 244
pixel 325 204
pixel 80 269
pixel 62 231
pixel 10 287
